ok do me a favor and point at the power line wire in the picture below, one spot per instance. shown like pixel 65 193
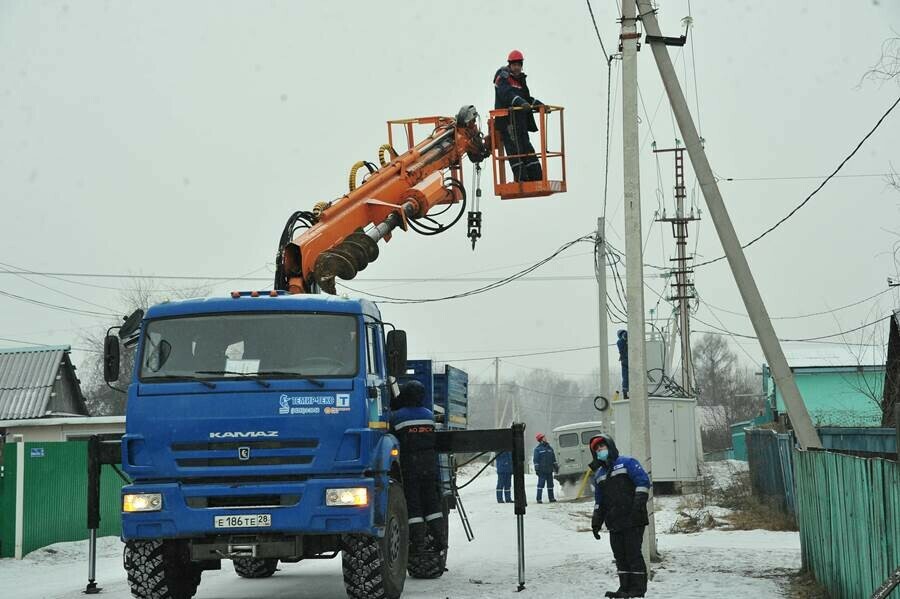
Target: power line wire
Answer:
pixel 816 190
pixel 385 299
pixel 800 316
pixel 807 339
pixel 77 311
pixel 799 177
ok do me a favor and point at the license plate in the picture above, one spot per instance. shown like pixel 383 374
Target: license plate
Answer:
pixel 243 521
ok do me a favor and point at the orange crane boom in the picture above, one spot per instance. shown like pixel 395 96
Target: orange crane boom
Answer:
pixel 337 243
pixel 340 238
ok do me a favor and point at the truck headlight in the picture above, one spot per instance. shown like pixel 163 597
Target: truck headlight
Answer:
pixel 142 502
pixel 347 496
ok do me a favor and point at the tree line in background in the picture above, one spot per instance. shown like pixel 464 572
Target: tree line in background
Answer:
pixel 727 393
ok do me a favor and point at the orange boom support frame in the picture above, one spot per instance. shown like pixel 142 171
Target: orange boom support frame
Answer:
pixel 341 237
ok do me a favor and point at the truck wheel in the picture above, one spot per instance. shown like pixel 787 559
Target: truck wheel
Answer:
pixel 375 568
pixel 248 567
pixel 161 570
pixel 429 564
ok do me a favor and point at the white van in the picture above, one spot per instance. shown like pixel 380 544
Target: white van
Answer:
pixel 572 451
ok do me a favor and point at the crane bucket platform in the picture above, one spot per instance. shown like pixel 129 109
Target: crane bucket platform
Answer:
pixel 548 158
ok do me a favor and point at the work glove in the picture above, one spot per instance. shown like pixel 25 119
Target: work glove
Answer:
pixel 596 523
pixel 595 464
pixel 556 468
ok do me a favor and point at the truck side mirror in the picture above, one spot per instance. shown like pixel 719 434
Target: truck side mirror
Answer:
pixel 396 353
pixel 111 358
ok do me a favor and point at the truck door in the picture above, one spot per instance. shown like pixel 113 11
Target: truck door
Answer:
pixel 375 372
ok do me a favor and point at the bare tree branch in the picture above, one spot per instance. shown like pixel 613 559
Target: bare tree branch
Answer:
pixel 888 65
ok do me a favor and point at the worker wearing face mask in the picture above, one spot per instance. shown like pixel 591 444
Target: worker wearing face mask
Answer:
pixel 621 491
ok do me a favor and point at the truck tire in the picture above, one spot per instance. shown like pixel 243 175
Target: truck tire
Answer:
pixel 161 570
pixel 375 568
pixel 430 564
pixel 248 567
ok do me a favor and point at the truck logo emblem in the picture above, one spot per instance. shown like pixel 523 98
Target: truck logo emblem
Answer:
pixel 243 453
pixel 243 434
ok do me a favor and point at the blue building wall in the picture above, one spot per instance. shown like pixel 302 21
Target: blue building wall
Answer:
pixel 834 395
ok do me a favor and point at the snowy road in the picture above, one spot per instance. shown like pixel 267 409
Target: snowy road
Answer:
pixel 562 560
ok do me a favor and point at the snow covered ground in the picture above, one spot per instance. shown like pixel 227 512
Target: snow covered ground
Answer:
pixel 562 560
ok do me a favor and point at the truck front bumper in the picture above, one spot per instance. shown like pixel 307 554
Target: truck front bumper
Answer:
pixel 190 511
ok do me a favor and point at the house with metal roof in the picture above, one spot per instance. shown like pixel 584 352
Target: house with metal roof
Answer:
pixel 836 393
pixel 39 382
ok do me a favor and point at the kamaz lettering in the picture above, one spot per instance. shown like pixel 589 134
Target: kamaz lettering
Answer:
pixel 243 435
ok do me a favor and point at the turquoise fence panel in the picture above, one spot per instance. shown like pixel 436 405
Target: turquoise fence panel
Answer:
pixel 868 439
pixel 771 467
pixel 848 510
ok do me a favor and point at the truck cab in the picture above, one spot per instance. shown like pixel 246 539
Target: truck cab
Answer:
pixel 257 431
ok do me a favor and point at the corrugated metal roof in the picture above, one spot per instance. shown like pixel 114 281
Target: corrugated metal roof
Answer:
pixel 26 380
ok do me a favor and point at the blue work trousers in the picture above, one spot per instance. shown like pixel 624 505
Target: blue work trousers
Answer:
pixel 545 480
pixel 504 487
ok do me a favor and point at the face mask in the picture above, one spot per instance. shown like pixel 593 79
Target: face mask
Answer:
pixel 603 454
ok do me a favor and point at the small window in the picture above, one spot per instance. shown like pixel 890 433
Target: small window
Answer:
pixel 372 349
pixel 586 436
pixel 568 440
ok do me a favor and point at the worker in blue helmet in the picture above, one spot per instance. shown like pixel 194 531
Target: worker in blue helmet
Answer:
pixel 622 345
pixel 413 425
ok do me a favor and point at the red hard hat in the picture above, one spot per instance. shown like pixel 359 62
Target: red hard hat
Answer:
pixel 515 56
pixel 597 440
pixel 539 437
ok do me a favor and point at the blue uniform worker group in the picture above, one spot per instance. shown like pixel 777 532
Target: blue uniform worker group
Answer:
pixel 544 466
pixel 621 491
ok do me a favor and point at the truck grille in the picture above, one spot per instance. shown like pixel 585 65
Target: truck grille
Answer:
pixel 244 452
pixel 218 501
pixel 263 461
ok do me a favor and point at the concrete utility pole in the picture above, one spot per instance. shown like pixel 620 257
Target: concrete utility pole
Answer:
pixel 603 329
pixel 497 423
pixel 634 263
pixel 781 372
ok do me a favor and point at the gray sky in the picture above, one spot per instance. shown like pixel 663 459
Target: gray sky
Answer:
pixel 176 138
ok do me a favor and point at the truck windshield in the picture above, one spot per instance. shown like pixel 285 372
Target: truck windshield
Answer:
pixel 222 346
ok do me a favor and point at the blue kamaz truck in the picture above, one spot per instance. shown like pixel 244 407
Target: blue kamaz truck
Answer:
pixel 257 431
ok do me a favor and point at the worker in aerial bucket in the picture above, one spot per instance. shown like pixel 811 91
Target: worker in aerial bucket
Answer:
pixel 511 91
pixel 621 491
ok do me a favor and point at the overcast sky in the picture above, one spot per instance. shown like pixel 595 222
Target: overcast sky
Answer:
pixel 175 138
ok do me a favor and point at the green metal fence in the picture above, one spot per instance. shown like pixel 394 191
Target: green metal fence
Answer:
pixel 55 505
pixel 849 517
pixel 771 467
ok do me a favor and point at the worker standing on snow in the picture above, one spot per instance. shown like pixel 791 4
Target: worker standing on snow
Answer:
pixel 511 91
pixel 622 345
pixel 413 425
pixel 544 466
pixel 621 491
pixel 503 463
